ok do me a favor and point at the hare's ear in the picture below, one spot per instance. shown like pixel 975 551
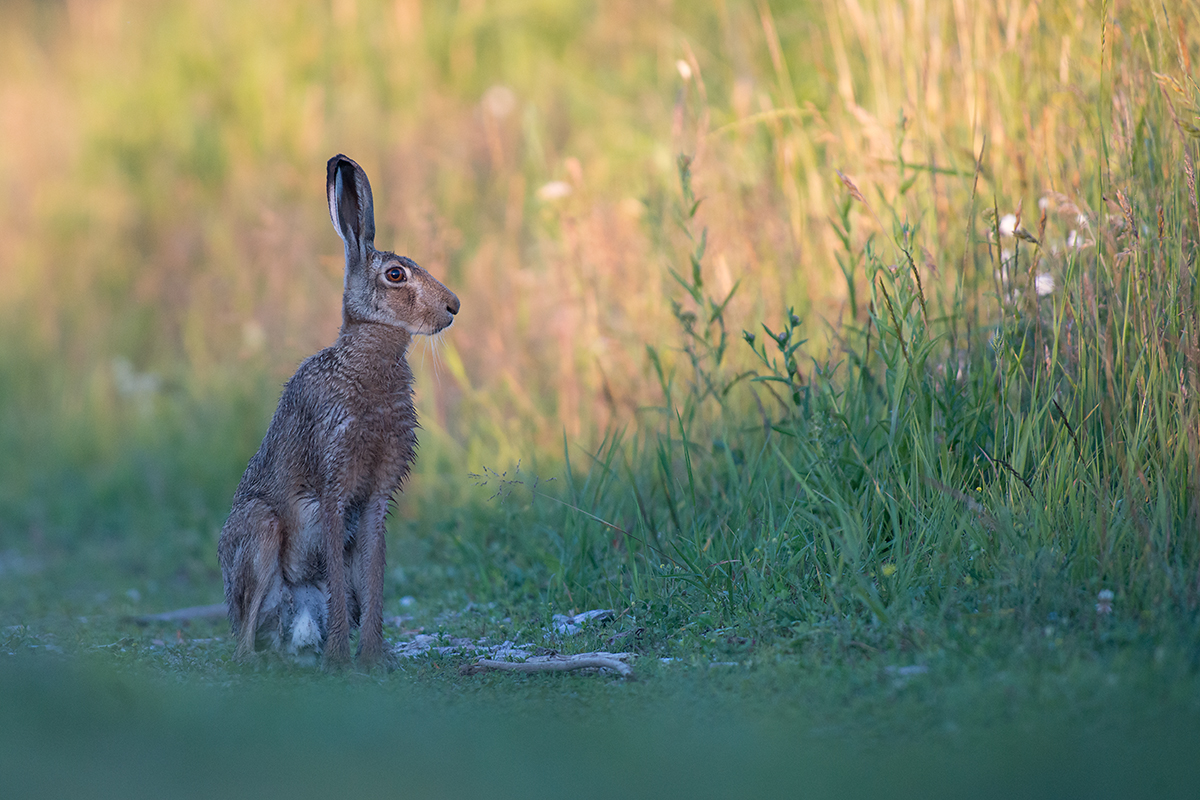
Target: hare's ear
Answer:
pixel 350 204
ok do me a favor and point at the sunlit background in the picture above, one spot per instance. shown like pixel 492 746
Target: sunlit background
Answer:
pixel 163 224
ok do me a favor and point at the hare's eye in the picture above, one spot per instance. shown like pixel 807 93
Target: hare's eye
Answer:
pixel 395 275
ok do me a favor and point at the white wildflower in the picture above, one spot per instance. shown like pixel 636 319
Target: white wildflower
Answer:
pixel 1105 606
pixel 499 101
pixel 1044 284
pixel 554 190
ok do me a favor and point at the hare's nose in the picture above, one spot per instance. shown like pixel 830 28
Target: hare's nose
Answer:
pixel 452 305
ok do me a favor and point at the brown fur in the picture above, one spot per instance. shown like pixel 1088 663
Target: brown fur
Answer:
pixel 302 553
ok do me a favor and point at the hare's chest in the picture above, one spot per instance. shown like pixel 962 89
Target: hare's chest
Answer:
pixel 380 445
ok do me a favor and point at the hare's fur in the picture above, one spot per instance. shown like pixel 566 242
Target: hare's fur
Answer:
pixel 302 553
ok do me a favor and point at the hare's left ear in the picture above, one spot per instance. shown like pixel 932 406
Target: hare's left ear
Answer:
pixel 350 204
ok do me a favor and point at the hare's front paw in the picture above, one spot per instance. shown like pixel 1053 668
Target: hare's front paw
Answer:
pixel 384 661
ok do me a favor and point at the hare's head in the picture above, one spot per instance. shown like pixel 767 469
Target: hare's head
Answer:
pixel 380 286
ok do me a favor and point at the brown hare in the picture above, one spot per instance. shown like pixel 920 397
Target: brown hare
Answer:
pixel 302 553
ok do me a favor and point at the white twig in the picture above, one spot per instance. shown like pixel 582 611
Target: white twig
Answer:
pixel 559 663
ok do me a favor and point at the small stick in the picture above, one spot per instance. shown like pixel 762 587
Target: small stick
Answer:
pixel 1007 466
pixel 1063 415
pixel 557 663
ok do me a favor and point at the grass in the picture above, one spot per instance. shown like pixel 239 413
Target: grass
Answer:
pixel 890 478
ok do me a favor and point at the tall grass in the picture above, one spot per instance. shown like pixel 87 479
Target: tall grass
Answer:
pixel 169 157
pixel 1011 438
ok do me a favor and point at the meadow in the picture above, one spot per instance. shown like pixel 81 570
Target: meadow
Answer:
pixel 847 350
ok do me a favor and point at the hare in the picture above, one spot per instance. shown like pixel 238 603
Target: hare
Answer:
pixel 302 553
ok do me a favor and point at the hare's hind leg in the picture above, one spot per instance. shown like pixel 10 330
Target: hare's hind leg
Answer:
pixel 366 568
pixel 249 553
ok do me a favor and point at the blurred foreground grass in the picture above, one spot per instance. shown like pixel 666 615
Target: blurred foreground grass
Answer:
pixel 694 733
pixel 801 429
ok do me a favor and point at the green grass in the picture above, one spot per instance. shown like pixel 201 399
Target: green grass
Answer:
pixel 143 721
pixel 857 534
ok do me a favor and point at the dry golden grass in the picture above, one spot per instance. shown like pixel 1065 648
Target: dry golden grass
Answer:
pixel 161 175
